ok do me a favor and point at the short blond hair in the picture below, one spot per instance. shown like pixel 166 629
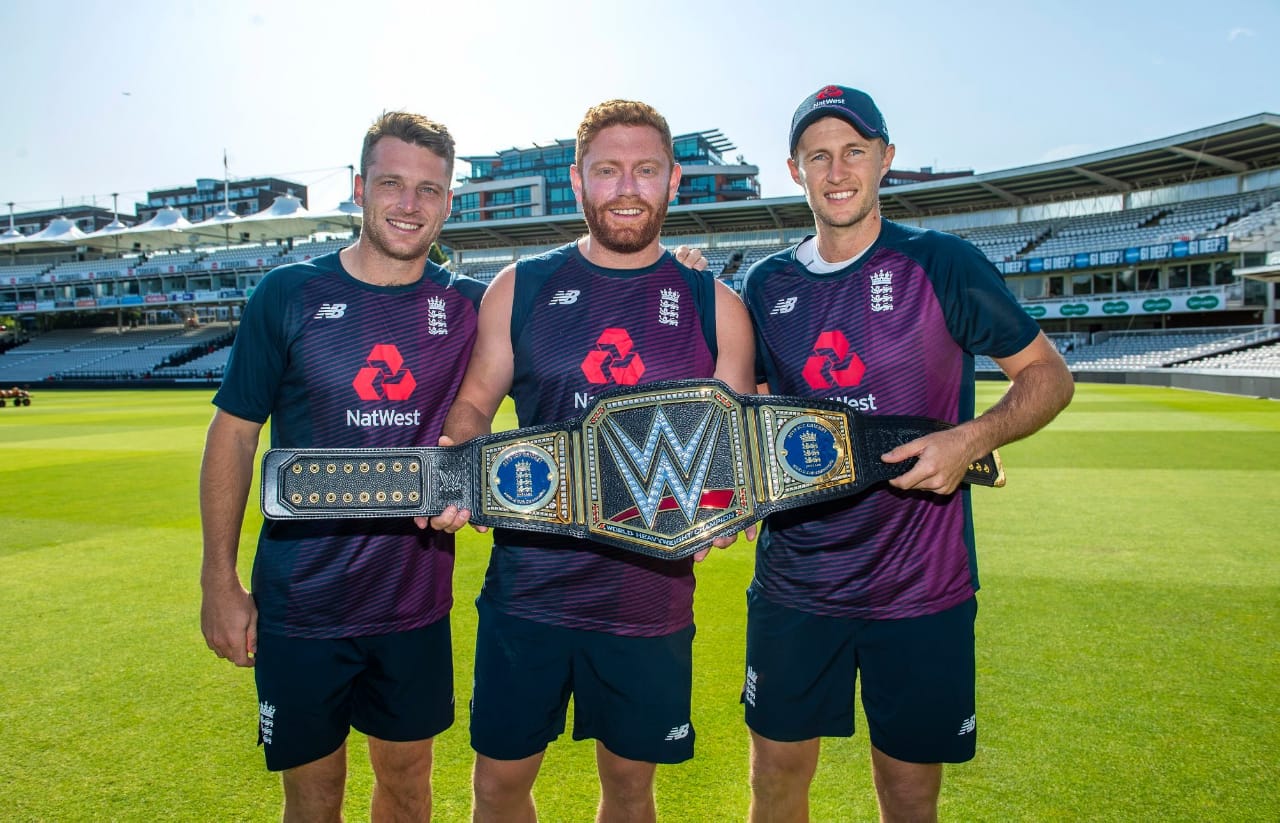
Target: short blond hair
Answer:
pixel 414 129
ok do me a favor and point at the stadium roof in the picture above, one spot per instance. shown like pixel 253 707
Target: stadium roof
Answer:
pixel 1235 147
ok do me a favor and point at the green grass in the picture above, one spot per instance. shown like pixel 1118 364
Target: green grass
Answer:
pixel 1128 657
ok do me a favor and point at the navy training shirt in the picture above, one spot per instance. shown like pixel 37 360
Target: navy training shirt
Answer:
pixel 336 362
pixel 893 333
pixel 578 329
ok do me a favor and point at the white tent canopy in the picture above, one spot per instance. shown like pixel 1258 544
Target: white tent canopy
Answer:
pixel 167 230
pixel 285 218
pixel 60 231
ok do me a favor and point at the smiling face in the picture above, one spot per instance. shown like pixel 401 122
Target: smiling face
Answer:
pixel 624 183
pixel 840 172
pixel 405 197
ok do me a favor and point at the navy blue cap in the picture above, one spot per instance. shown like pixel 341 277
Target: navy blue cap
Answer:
pixel 853 106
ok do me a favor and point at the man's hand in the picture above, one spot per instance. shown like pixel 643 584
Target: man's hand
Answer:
pixel 691 257
pixel 449 521
pixel 229 621
pixel 452 518
pixel 942 458
pixel 726 541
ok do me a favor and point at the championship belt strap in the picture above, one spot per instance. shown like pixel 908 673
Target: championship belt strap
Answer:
pixel 661 469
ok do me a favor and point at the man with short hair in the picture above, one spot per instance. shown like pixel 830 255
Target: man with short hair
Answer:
pixel 886 318
pixel 348 623
pixel 560 616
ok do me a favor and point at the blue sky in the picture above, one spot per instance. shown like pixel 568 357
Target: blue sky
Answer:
pixel 129 97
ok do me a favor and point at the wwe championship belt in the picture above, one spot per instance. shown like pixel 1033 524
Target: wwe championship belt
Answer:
pixel 660 469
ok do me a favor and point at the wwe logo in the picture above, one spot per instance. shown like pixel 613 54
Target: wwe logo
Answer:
pixel 648 469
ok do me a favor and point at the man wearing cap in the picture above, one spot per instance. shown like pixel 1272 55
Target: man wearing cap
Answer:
pixel 886 318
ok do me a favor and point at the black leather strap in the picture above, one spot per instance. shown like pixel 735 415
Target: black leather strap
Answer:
pixel 661 469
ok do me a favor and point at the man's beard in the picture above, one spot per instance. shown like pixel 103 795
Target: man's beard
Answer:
pixel 623 240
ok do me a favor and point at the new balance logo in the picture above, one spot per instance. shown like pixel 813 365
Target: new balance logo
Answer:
pixel 330 311
pixel 969 726
pixel 678 733
pixel 784 306
pixel 565 297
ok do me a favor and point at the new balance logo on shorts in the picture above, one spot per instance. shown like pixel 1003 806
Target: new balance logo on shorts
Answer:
pixel 678 733
pixel 969 726
pixel 330 311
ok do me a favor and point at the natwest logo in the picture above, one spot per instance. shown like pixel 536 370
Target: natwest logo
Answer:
pixel 384 377
pixel 829 92
pixel 613 361
pixel 832 364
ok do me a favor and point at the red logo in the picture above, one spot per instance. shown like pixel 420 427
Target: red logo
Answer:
pixel 829 92
pixel 384 378
pixel 832 364
pixel 613 361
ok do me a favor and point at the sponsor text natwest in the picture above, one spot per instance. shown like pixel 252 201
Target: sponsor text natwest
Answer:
pixel 383 417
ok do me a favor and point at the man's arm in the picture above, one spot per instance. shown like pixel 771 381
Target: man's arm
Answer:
pixel 1041 385
pixel 487 380
pixel 735 365
pixel 735 343
pixel 228 616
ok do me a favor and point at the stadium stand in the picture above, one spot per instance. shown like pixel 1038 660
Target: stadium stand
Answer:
pixel 302 252
pixel 168 263
pixel 1265 358
pixel 1259 222
pixel 1008 241
pixel 1183 221
pixel 248 257
pixel 22 273
pixel 1127 258
pixel 1222 348
pixel 105 353
pixel 209 365
pixel 91 269
pixel 1126 350
pixel 484 272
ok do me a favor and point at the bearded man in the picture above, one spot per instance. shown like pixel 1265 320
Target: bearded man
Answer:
pixel 559 616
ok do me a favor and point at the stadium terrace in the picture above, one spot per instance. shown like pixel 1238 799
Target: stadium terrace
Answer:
pixel 1152 263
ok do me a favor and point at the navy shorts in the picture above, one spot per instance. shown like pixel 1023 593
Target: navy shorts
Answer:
pixel 917 679
pixel 396 687
pixel 630 693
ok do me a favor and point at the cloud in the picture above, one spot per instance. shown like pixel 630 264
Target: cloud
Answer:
pixel 1238 32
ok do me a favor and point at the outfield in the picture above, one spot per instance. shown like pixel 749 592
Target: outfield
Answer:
pixel 1129 665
